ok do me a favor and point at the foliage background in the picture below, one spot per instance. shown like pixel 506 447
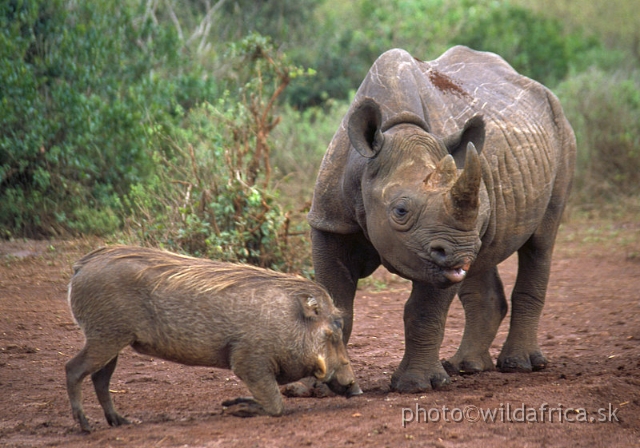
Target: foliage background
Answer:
pixel 198 125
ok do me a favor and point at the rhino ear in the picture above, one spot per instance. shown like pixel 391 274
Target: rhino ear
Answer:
pixel 364 128
pixel 472 132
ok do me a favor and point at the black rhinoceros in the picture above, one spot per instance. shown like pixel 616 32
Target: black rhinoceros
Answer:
pixel 439 171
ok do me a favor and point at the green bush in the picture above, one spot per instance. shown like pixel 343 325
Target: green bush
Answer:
pixel 100 103
pixel 300 141
pixel 603 108
pixel 211 194
pixel 535 46
pixel 78 91
pixel 342 51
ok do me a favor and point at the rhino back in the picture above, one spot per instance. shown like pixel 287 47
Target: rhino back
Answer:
pixel 529 149
pixel 529 146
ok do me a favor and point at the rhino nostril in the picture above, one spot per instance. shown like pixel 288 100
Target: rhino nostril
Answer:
pixel 439 251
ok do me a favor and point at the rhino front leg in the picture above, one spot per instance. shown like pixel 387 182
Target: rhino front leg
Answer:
pixel 521 352
pixel 485 305
pixel 425 314
pixel 339 261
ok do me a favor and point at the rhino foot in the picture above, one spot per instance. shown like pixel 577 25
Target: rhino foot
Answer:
pixel 411 383
pixel 458 365
pixel 522 363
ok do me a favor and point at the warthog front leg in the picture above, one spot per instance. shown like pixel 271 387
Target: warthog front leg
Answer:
pixel 243 407
pixel 257 374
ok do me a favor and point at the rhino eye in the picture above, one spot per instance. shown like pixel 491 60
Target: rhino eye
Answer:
pixel 400 212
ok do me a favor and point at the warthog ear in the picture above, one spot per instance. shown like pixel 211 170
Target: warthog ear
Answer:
pixel 472 132
pixel 364 128
pixel 310 306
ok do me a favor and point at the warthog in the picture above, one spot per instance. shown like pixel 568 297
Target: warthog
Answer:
pixel 269 328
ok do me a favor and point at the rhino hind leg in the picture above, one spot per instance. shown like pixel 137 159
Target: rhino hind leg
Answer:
pixel 425 314
pixel 521 352
pixel 485 305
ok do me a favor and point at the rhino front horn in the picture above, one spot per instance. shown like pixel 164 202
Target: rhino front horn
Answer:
pixel 465 192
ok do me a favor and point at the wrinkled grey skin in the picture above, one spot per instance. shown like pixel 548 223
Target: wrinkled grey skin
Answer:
pixel 402 185
pixel 269 328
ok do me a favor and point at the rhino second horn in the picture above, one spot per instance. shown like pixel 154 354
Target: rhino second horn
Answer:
pixel 466 190
pixel 444 174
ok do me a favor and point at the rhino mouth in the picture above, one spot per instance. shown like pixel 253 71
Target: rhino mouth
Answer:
pixel 449 275
pixel 457 274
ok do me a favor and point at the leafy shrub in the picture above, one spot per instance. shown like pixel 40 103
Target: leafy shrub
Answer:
pixel 77 96
pixel 342 51
pixel 603 108
pixel 211 194
pixel 300 141
pixel 535 46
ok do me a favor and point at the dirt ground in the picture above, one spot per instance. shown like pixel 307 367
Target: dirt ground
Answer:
pixel 590 331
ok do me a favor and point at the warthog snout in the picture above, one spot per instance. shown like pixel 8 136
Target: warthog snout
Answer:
pixel 334 367
pixel 344 382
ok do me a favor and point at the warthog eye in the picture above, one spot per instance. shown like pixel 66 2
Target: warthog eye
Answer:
pixel 338 324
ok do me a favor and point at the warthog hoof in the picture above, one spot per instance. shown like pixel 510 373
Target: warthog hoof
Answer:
pixel 116 419
pixel 311 387
pixel 243 407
